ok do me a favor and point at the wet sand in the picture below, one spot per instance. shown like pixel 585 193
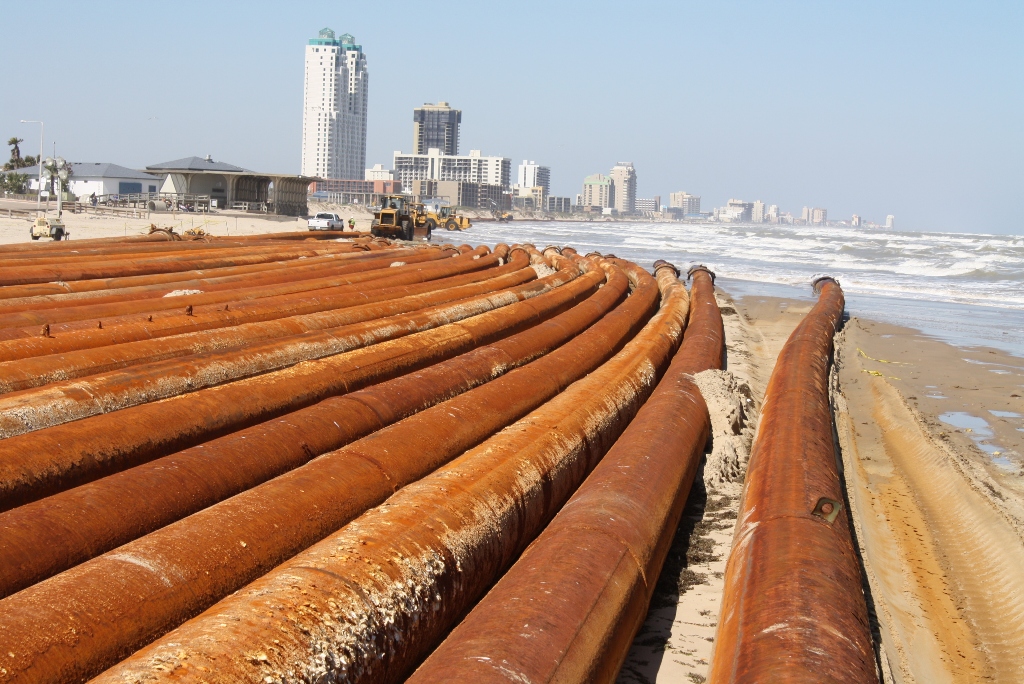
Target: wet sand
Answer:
pixel 931 437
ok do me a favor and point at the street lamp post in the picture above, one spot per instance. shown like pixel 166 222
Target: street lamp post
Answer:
pixel 39 179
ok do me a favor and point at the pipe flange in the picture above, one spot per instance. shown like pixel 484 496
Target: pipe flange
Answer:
pixel 610 256
pixel 700 267
pixel 554 248
pixel 517 248
pixel 661 263
pixel 818 282
pixel 591 255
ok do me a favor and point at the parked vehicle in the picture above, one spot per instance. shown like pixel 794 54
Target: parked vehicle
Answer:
pixel 447 218
pixel 324 221
pixel 48 227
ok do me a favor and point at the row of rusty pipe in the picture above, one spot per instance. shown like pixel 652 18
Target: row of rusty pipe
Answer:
pixel 364 462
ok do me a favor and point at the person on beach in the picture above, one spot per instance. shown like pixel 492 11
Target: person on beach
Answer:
pixel 351 223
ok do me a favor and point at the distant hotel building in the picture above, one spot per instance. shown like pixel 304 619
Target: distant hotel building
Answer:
pixel 436 166
pixel 890 222
pixel 623 177
pixel 598 191
pixel 532 175
pixel 690 204
pixel 436 126
pixel 814 216
pixel 334 108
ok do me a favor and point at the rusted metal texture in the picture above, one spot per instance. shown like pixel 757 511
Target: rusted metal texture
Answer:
pixel 569 608
pixel 202 554
pixel 33 372
pixel 43 462
pixel 793 608
pixel 62 338
pixel 50 535
pixel 342 275
pixel 367 603
pixel 21 275
pixel 62 402
pixel 267 274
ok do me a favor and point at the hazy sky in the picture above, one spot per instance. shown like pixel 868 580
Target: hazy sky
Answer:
pixel 913 109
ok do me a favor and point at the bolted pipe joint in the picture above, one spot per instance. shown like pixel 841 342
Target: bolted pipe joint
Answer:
pixel 517 248
pixel 554 248
pixel 700 267
pixel 661 263
pixel 818 282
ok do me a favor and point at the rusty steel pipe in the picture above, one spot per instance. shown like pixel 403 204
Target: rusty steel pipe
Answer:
pixel 38 408
pixel 793 609
pixel 276 272
pixel 82 287
pixel 48 536
pixel 23 275
pixel 37 371
pixel 43 462
pixel 25 343
pixel 120 306
pixel 85 316
pixel 569 608
pixel 287 514
pixel 365 604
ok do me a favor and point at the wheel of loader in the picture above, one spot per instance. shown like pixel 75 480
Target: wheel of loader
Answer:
pixel 452 224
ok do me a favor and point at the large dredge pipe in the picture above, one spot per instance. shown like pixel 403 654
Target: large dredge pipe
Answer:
pixel 569 608
pixel 48 536
pixel 62 402
pixel 285 515
pixel 369 602
pixel 793 608
pixel 342 275
pixel 267 274
pixel 25 343
pixel 43 462
pixel 33 372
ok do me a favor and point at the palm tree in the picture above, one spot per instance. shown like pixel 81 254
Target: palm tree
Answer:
pixel 15 150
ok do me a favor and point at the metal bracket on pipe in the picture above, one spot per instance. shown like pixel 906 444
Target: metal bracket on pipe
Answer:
pixel 700 267
pixel 817 282
pixel 827 509
pixel 661 263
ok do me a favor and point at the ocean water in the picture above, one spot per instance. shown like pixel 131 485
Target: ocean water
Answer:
pixel 966 289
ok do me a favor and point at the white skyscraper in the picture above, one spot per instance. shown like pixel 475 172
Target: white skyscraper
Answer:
pixel 533 175
pixel 890 222
pixel 334 107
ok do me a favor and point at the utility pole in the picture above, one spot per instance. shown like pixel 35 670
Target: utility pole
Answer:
pixel 39 180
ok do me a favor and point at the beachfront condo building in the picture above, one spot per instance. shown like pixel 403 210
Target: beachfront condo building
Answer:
pixel 890 222
pixel 598 191
pixel 623 177
pixel 531 175
pixel 690 204
pixel 437 166
pixel 436 125
pixel 334 107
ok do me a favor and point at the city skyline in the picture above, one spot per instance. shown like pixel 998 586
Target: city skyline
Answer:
pixel 883 134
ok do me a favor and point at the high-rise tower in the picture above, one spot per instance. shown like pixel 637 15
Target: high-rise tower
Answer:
pixel 436 126
pixel 334 107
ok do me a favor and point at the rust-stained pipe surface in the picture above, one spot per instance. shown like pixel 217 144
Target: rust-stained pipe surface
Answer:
pixel 439 275
pixel 42 462
pixel 369 602
pixel 287 514
pixel 793 608
pixel 569 608
pixel 50 535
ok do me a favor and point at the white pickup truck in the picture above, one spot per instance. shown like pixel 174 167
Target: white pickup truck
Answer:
pixel 325 222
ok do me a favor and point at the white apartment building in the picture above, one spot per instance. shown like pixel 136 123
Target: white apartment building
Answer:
pixel 471 168
pixel 598 191
pixel 532 175
pixel 757 213
pixel 378 172
pixel 623 177
pixel 890 222
pixel 690 204
pixel 334 107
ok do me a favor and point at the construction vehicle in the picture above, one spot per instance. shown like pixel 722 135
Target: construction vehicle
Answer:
pixel 44 226
pixel 498 214
pixel 448 218
pixel 397 217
